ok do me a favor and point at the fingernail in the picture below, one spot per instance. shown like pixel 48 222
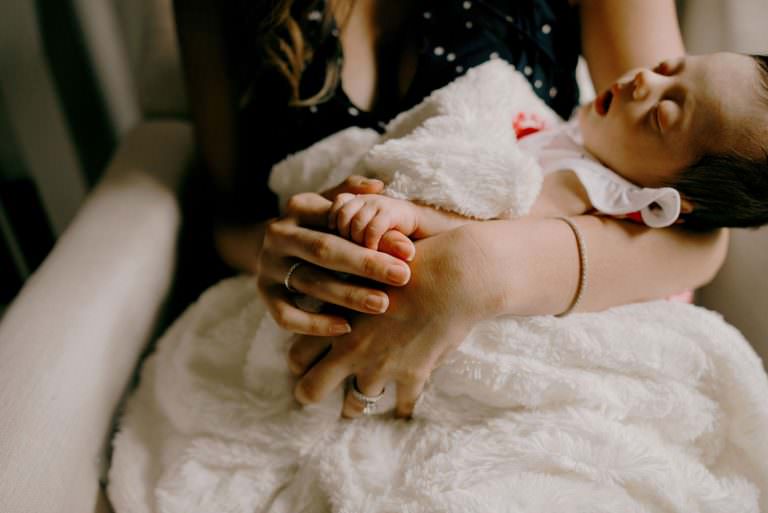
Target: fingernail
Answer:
pixel 405 249
pixel 397 274
pixel 340 329
pixel 375 303
pixel 370 181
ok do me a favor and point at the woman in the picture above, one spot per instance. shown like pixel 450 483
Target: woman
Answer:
pixel 359 63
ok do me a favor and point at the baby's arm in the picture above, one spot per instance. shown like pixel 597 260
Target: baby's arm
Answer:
pixel 365 218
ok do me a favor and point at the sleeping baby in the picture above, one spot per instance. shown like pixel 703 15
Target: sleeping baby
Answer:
pixel 684 143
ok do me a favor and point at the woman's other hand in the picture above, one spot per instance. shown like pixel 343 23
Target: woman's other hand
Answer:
pixel 482 270
pixel 298 238
pixel 426 320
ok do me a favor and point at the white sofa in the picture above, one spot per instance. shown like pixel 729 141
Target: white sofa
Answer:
pixel 70 342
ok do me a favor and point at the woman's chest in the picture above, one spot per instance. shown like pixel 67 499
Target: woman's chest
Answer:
pixel 380 78
pixel 380 44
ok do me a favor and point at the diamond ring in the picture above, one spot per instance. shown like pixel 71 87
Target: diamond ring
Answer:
pixel 369 402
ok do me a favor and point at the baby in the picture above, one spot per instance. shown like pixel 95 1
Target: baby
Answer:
pixel 697 124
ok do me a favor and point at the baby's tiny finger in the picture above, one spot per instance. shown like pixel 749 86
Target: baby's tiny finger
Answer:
pixel 376 230
pixel 339 201
pixel 360 222
pixel 347 212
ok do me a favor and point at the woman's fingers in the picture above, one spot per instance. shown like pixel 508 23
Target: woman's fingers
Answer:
pixel 367 383
pixel 355 184
pixel 309 209
pixel 408 393
pixel 320 284
pixel 305 352
pixel 332 252
pixel 289 317
pixel 324 377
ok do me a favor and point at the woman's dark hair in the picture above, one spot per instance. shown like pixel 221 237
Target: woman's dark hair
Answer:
pixel 729 190
pixel 277 39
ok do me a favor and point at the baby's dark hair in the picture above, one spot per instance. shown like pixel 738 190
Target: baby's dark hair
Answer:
pixel 729 190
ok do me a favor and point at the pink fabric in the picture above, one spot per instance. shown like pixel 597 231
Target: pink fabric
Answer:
pixel 682 297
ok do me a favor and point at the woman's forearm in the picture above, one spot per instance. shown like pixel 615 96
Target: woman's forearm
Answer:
pixel 618 36
pixel 239 246
pixel 531 266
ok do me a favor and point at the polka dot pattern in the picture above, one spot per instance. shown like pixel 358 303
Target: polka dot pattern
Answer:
pixel 455 36
pixel 468 13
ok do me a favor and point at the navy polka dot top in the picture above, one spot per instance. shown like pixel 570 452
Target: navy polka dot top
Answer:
pixel 541 38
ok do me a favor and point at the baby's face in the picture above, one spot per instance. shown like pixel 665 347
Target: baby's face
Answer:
pixel 652 124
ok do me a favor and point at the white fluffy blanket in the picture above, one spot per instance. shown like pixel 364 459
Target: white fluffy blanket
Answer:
pixel 655 407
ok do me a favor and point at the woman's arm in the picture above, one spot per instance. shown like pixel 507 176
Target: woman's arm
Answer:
pixel 211 96
pixel 481 270
pixel 617 36
pixel 210 90
pixel 531 266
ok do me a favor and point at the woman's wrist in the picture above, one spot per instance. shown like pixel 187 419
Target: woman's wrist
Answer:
pixel 532 267
pixel 524 267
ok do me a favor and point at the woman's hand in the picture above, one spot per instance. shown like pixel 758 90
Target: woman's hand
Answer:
pixel 297 237
pixel 482 270
pixel 426 320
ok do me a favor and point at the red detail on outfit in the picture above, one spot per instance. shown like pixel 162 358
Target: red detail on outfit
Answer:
pixel 526 124
pixel 636 217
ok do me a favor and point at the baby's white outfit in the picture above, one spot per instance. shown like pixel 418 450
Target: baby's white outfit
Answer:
pixel 562 148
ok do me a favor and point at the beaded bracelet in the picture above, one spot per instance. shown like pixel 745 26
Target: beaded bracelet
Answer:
pixel 582 286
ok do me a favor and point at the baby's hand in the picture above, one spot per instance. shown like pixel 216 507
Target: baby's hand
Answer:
pixel 365 218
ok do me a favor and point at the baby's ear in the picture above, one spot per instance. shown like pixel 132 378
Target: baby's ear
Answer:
pixel 686 206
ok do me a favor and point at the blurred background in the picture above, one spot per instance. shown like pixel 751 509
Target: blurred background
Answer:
pixel 76 75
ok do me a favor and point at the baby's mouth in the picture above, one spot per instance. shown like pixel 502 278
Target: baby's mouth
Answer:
pixel 603 102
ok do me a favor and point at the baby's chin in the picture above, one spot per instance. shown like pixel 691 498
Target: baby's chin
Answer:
pixel 585 126
pixel 583 114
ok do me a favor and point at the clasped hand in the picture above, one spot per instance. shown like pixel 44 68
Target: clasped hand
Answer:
pixel 411 321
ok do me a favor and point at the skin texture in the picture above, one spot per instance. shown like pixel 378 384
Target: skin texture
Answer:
pixel 664 119
pixel 454 278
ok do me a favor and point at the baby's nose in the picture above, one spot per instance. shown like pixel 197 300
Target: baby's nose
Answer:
pixel 640 85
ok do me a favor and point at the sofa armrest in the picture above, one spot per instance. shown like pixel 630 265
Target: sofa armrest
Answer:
pixel 70 341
